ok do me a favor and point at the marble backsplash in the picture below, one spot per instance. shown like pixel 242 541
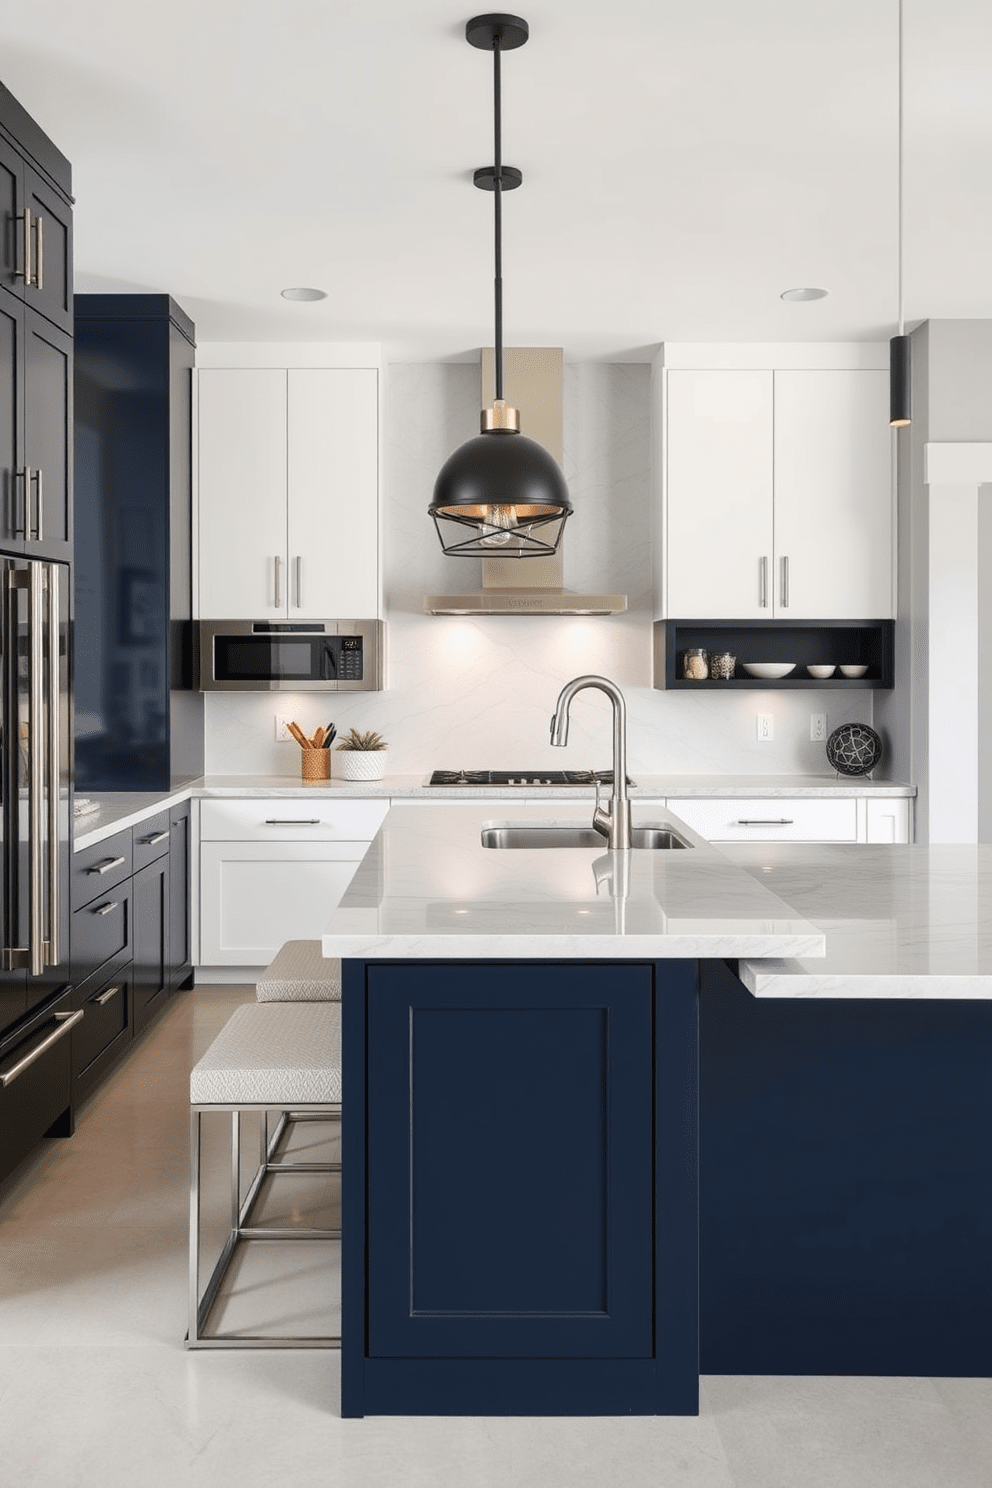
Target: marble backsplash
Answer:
pixel 479 692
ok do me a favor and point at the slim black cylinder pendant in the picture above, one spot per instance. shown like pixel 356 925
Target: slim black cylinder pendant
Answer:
pixel 900 379
pixel 500 494
pixel 900 356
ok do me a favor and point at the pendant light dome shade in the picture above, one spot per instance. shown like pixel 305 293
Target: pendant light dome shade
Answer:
pixel 499 493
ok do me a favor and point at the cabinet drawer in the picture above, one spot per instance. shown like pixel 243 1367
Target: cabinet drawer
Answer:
pixel 815 819
pixel 97 869
pixel 291 819
pixel 101 930
pixel 35 1070
pixel 104 1019
pixel 151 839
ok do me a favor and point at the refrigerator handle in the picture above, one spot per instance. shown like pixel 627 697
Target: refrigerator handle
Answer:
pixel 36 769
pixel 54 762
pixel 11 747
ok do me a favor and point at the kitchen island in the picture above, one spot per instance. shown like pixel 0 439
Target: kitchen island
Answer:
pixel 520 1164
pixel 844 1146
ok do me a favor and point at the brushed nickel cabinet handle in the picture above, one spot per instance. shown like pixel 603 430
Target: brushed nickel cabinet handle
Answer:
pixel 25 273
pixel 39 253
pixel 106 908
pixel 292 821
pixel 154 840
pixel 278 583
pixel 299 583
pixel 763 601
pixel 106 866
pixel 785 583
pixel 65 1022
pixel 39 524
pixel 765 821
pixel 102 998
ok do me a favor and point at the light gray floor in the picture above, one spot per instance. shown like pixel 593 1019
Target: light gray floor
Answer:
pixel 96 1389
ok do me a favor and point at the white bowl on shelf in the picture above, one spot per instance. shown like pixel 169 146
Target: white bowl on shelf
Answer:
pixel 821 671
pixel 853 671
pixel 768 670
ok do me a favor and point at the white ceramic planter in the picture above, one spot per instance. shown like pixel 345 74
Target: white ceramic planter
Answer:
pixel 360 764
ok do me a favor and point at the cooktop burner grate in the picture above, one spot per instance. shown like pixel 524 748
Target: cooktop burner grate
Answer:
pixel 523 777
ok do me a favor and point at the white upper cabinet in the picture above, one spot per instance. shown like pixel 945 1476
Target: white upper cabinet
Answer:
pixel 288 493
pixel 242 493
pixel 833 496
pixel 778 500
pixel 719 465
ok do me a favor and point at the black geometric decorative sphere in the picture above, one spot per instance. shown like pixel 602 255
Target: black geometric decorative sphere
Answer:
pixel 854 749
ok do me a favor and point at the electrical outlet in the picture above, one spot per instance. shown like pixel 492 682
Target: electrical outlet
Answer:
pixel 766 727
pixel 282 727
pixel 817 727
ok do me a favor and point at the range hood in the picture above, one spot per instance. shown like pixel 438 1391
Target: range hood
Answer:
pixel 533 380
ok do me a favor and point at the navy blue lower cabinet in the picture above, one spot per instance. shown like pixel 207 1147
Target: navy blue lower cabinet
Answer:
pixel 846 1184
pixel 523 1170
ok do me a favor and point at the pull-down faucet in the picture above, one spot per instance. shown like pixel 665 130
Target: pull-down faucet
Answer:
pixel 614 824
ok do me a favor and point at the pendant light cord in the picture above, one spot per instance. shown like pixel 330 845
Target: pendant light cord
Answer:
pixel 498 213
pixel 899 207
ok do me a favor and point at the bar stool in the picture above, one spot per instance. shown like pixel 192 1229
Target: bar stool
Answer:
pixel 278 1056
pixel 300 973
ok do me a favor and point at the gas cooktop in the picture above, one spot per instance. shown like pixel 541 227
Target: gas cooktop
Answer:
pixel 522 777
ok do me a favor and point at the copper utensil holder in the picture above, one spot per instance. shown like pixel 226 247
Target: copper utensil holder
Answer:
pixel 315 764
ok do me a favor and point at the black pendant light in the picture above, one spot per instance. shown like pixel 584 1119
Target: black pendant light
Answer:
pixel 900 358
pixel 500 494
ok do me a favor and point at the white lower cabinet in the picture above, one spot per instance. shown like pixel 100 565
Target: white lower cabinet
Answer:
pixel 798 819
pixel 273 870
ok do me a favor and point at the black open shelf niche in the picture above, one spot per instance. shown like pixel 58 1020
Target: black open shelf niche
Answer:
pixel 851 642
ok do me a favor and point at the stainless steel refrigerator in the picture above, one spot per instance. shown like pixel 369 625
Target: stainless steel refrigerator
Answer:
pixel 36 1015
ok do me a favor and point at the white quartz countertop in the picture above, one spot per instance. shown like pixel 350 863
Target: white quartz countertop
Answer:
pixel 427 888
pixel 120 809
pixel 900 921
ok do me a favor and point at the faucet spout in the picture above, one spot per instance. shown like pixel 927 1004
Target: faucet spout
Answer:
pixel 613 824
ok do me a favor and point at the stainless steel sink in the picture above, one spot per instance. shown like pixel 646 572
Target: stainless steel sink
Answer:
pixel 523 836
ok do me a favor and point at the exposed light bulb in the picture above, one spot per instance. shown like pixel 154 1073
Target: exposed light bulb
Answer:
pixel 503 521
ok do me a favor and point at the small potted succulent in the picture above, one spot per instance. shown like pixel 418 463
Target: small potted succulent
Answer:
pixel 363 756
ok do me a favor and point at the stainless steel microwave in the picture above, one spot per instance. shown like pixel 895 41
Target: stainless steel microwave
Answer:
pixel 290 655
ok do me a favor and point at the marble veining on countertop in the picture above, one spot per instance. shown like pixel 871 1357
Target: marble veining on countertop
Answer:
pixel 428 888
pixel 900 921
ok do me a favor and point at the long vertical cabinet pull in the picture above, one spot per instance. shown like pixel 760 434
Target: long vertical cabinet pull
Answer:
pixel 36 767
pixel 785 583
pixel 32 277
pixel 54 764
pixel 299 583
pixel 39 253
pixel 39 526
pixel 763 581
pixel 278 583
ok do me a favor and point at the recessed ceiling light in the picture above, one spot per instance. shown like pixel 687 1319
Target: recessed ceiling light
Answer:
pixel 804 294
pixel 303 294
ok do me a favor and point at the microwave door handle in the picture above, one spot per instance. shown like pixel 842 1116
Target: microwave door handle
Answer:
pixel 329 667
pixel 54 766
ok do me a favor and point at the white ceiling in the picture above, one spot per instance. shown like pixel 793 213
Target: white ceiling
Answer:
pixel 685 161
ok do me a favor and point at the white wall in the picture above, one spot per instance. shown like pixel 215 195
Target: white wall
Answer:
pixel 479 692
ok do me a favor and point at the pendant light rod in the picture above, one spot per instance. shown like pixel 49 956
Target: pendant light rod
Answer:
pixel 899 206
pixel 498 214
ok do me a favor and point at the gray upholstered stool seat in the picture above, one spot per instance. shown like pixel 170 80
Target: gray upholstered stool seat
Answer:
pixel 280 1056
pixel 300 973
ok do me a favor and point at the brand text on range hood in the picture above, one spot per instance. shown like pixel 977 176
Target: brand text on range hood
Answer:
pixel 528 586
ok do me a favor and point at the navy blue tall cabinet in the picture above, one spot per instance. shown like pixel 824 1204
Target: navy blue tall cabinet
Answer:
pixel 139 724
